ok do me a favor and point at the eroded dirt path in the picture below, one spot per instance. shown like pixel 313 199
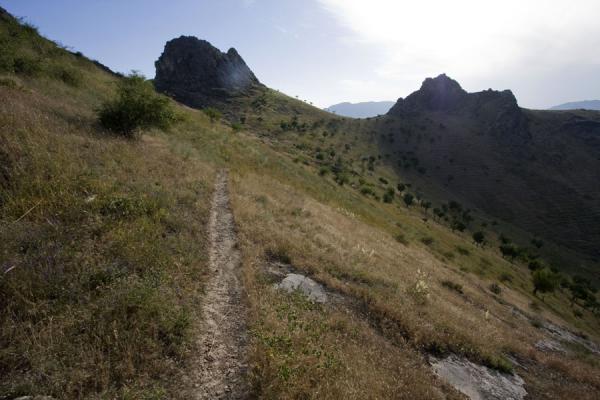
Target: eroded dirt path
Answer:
pixel 220 368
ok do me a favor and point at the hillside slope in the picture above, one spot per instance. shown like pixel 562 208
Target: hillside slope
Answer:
pixel 104 245
pixel 537 170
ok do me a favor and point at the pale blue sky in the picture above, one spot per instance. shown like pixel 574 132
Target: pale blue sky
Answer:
pixel 329 51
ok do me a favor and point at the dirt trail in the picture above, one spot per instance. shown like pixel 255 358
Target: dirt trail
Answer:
pixel 221 366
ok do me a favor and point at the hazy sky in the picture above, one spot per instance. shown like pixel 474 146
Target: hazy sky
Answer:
pixel 329 51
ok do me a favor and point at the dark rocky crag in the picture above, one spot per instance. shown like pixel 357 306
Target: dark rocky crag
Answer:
pixel 538 170
pixel 498 110
pixel 197 74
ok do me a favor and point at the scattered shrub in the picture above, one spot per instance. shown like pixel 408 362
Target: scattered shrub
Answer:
pixel 279 254
pixel 408 199
pixel 453 286
pixel 137 106
pixel 544 281
pixel 505 277
pixel 68 75
pixel 462 250
pixel 495 288
pixel 367 191
pixel 26 65
pixel 388 196
pixel 479 238
pixel 213 114
pixel 535 264
pixel 401 238
pixel 427 240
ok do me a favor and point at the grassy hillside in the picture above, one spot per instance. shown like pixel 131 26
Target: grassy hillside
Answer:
pixel 104 254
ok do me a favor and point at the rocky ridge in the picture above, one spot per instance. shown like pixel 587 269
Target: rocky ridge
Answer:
pixel 197 74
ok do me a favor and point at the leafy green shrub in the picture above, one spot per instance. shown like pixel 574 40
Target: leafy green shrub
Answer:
pixel 544 281
pixel 137 106
pixel 479 238
pixel 388 196
pixel 408 199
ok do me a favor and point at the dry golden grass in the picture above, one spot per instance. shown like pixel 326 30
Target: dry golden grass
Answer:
pixel 106 247
pixel 367 265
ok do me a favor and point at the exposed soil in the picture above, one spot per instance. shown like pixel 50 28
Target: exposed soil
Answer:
pixel 219 369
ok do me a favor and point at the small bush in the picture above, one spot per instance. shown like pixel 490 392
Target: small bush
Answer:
pixel 278 254
pixel 401 238
pixel 367 191
pixel 213 114
pixel 68 75
pixel 544 281
pixel 27 66
pixel 427 240
pixel 462 250
pixel 457 287
pixel 137 106
pixel 495 288
pixel 388 196
pixel 505 277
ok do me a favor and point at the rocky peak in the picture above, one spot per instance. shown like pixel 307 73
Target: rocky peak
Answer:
pixel 436 94
pixel 198 74
pixel 498 111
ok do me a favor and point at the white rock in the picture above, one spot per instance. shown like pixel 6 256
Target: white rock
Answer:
pixel 478 382
pixel 310 288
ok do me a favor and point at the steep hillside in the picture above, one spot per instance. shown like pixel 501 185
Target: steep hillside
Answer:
pixel 537 170
pixel 105 254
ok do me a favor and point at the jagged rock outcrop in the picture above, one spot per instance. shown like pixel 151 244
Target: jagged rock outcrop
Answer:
pixel 497 111
pixel 436 94
pixel 197 74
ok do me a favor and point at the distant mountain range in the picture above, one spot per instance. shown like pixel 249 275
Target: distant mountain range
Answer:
pixel 361 110
pixel 579 105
